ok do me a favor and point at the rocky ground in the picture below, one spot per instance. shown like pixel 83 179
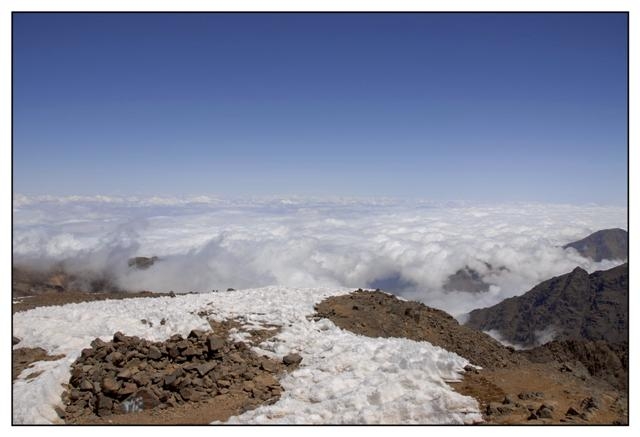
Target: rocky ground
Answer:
pixel 378 314
pixel 24 357
pixel 194 380
pixel 510 387
pixel 25 303
pixel 208 377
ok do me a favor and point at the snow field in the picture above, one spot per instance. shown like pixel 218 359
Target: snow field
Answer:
pixel 343 378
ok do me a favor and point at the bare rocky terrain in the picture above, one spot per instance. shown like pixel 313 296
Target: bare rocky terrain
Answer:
pixel 207 377
pixel 574 306
pixel 129 375
pixel 549 385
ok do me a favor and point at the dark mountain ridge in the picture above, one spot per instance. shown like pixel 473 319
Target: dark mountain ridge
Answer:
pixel 574 306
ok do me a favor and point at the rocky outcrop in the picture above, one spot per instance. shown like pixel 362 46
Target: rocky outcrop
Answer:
pixel 599 359
pixel 577 305
pixel 129 374
pixel 604 244
pixel 377 314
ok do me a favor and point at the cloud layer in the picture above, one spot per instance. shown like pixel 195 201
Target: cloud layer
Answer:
pixel 209 243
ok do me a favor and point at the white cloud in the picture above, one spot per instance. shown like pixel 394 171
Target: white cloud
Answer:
pixel 210 243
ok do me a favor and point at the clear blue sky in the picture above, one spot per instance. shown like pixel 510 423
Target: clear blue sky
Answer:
pixel 488 107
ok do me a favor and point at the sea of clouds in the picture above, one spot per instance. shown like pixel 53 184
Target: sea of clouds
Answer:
pixel 409 247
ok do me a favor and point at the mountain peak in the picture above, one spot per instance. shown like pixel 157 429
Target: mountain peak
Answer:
pixel 603 244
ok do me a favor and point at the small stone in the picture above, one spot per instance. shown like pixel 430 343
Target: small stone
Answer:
pixel 154 353
pixel 141 378
pixel 97 343
pixel 236 357
pixel 508 399
pixel 86 385
pixel 248 386
pixel 87 353
pixel 173 351
pixel 170 380
pixel 14 340
pixel 531 395
pixel 183 344
pixel 127 389
pixel 589 404
pixel 125 373
pixel 532 416
pixel 191 352
pixel 214 343
pixel 572 412
pixel 196 334
pixel 292 359
pixel 186 393
pixel 205 368
pixel 115 357
pixel 104 402
pixel 119 337
pixel 265 380
pixel 268 365
pixel 544 412
pixel 224 383
pixel 471 369
pixel 109 385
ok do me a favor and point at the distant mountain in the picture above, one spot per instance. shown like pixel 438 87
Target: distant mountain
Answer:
pixel 142 262
pixel 604 244
pixel 466 279
pixel 576 305
pixel 469 279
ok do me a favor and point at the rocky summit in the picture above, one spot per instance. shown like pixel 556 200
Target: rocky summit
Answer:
pixel 604 244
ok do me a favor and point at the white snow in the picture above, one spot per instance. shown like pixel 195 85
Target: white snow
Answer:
pixel 343 378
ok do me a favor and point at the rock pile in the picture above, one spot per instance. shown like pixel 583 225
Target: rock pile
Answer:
pixel 129 374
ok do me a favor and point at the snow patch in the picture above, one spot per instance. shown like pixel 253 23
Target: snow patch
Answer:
pixel 343 378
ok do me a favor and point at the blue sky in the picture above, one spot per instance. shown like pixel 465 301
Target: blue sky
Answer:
pixel 484 107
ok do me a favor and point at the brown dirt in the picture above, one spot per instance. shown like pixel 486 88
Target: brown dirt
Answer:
pixel 25 303
pixel 504 373
pixel 219 408
pixel 24 357
pixel 561 391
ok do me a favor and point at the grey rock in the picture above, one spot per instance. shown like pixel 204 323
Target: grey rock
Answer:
pixel 544 412
pixel 572 412
pixel 214 343
pixel 205 368
pixel 292 359
pixel 154 353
